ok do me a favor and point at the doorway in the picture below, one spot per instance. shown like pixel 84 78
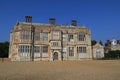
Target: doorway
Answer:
pixel 98 54
pixel 55 56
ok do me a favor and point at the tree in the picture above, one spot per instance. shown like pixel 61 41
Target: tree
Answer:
pixel 113 55
pixel 108 43
pixel 101 42
pixel 93 42
pixel 4 49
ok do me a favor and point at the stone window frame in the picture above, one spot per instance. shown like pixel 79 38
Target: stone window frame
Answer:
pixel 71 51
pixel 56 35
pixel 70 37
pixel 64 37
pixel 81 37
pixel 37 36
pixel 25 34
pixel 55 44
pixel 45 36
pixel 81 49
pixel 45 49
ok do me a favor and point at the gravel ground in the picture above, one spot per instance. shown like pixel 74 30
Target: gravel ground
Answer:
pixel 61 70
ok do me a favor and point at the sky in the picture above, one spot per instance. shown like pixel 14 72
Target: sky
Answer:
pixel 101 17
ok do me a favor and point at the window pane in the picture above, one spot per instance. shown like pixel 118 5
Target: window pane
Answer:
pixel 81 37
pixel 63 37
pixel 37 36
pixel 45 49
pixel 45 36
pixel 81 50
pixel 24 50
pixel 25 34
pixel 55 44
pixel 55 35
pixel 71 51
pixel 36 49
pixel 70 37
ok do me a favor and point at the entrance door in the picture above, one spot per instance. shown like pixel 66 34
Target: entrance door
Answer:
pixel 55 56
pixel 98 54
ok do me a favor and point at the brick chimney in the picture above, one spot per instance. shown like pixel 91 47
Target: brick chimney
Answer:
pixel 28 19
pixel 74 23
pixel 52 21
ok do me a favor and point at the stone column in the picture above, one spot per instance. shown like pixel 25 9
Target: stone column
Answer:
pixel 51 55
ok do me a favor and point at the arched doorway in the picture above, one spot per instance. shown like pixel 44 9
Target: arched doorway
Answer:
pixel 55 56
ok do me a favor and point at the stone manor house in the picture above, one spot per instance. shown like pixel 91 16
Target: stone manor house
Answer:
pixel 36 42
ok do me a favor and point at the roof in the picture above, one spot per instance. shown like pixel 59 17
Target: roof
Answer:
pixel 48 25
pixel 97 45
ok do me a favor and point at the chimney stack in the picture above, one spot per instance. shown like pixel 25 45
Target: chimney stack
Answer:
pixel 74 23
pixel 28 19
pixel 52 21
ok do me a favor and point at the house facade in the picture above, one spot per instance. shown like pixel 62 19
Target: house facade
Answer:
pixel 112 45
pixel 36 42
pixel 98 51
